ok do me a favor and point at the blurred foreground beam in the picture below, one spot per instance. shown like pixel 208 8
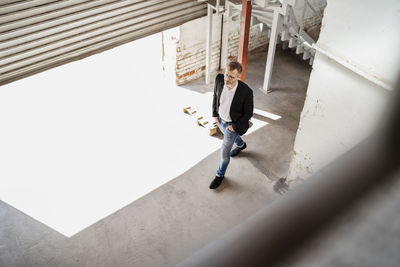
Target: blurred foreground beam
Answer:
pixel 278 230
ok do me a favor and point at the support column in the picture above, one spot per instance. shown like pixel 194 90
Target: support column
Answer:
pixel 244 35
pixel 225 35
pixel 208 43
pixel 275 29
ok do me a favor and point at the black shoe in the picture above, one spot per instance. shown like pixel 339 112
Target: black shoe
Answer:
pixel 216 182
pixel 237 150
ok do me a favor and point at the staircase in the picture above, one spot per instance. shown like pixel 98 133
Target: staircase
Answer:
pixel 291 32
pixel 285 26
pixel 279 17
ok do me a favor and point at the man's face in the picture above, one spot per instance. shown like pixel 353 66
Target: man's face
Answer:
pixel 231 77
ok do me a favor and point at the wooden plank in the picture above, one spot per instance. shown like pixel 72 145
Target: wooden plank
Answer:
pixel 201 119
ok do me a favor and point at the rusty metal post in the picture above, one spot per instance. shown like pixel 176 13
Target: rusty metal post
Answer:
pixel 244 35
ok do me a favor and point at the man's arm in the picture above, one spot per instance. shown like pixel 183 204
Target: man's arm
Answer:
pixel 214 104
pixel 247 114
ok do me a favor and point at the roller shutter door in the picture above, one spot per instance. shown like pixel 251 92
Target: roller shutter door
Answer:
pixel 38 35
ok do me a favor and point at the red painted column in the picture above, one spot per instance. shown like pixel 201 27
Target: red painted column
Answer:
pixel 244 35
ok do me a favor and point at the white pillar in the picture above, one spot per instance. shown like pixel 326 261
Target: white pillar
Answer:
pixel 208 43
pixel 225 34
pixel 276 28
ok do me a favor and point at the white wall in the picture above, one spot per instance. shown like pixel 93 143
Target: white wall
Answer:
pixel 191 48
pixel 341 107
pixel 366 33
pixel 194 32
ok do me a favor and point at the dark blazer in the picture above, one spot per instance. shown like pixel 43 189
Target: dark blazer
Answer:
pixel 242 104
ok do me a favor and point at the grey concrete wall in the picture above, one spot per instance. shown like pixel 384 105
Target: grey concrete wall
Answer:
pixel 342 107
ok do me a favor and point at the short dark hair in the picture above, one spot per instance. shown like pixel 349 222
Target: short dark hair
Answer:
pixel 234 65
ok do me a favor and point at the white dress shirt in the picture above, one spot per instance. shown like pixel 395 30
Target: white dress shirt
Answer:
pixel 225 102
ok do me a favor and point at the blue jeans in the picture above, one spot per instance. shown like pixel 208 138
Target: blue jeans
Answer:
pixel 229 139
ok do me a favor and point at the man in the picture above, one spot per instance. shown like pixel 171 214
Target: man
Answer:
pixel 232 109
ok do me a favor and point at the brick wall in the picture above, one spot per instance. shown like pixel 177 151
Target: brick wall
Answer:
pixel 190 61
pixel 257 39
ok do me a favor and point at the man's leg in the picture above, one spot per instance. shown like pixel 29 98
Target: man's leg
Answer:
pixel 229 139
pixel 239 141
pixel 240 145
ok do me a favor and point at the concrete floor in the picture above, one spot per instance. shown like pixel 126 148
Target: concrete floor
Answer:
pixel 176 219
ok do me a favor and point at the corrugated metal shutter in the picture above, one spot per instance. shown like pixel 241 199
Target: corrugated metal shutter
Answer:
pixel 38 35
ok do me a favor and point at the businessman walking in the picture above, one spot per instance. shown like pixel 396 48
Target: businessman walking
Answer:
pixel 232 109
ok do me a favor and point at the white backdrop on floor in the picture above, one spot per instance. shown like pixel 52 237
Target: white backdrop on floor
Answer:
pixel 81 141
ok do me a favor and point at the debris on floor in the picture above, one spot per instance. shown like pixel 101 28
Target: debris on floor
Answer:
pixel 202 120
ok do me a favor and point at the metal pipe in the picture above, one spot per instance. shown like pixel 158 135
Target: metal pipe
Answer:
pixel 346 63
pixel 221 41
pixel 208 43
pixel 351 66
